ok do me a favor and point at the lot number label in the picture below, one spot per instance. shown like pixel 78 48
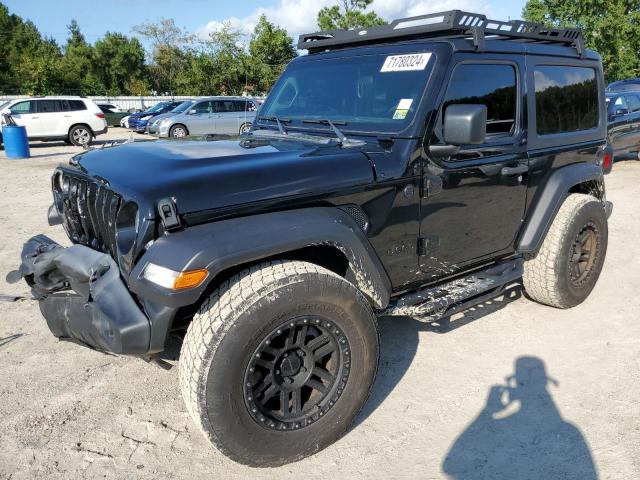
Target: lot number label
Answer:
pixel 406 63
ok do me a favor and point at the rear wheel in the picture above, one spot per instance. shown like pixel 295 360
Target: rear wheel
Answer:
pixel 178 131
pixel 570 260
pixel 80 135
pixel 278 362
pixel 244 128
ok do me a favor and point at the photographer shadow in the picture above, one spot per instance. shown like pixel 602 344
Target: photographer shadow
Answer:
pixel 520 434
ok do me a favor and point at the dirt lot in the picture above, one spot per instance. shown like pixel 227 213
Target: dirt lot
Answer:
pixel 435 412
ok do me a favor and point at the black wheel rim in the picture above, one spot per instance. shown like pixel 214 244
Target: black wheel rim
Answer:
pixel 297 373
pixel 583 254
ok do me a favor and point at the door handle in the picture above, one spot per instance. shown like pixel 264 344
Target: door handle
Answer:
pixel 510 171
pixel 35 118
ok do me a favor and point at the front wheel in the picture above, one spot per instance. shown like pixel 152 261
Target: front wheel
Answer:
pixel 568 265
pixel 80 136
pixel 178 131
pixel 278 362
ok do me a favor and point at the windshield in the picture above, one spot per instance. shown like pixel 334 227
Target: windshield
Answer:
pixel 2 105
pixel 183 107
pixel 372 92
pixel 157 107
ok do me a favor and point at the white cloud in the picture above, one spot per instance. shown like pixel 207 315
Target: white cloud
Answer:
pixel 299 16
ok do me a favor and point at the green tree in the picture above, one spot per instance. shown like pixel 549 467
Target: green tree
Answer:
pixel 348 14
pixel 168 52
pixel 610 27
pixel 119 64
pixel 78 64
pixel 28 63
pixel 270 50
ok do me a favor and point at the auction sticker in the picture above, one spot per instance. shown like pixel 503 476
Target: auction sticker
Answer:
pixel 406 63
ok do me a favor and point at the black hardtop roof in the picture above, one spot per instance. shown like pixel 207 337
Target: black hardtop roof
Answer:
pixel 464 30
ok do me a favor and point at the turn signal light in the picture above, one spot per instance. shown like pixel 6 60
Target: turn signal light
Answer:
pixel 189 279
pixel 173 280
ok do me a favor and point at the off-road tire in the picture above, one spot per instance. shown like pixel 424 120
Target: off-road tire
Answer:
pixel 235 320
pixel 547 277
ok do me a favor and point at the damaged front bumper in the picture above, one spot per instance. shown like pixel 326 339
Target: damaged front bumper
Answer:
pixel 83 298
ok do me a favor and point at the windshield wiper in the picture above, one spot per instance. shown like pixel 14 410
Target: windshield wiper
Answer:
pixel 342 139
pixel 278 120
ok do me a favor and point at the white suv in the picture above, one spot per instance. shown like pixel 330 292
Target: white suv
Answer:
pixel 75 120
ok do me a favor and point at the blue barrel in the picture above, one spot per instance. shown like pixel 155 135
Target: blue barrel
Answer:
pixel 16 143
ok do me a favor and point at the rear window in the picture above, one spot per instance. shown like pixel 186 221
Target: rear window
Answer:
pixel 566 99
pixel 49 106
pixel 245 106
pixel 225 106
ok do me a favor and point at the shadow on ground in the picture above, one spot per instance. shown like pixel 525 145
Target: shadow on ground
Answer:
pixel 520 434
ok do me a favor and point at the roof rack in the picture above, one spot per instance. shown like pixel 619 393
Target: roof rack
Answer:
pixel 443 24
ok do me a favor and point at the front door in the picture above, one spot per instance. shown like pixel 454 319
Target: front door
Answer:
pixel 25 114
pixel 201 121
pixel 474 201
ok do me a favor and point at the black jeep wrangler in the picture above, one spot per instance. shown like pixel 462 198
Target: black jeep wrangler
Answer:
pixel 416 169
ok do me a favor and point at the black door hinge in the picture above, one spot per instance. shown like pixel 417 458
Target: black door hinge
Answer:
pixel 169 214
pixel 428 245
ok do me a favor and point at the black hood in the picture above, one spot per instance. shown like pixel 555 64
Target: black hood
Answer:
pixel 205 175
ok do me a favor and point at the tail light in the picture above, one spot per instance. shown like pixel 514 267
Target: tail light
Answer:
pixel 100 115
pixel 607 159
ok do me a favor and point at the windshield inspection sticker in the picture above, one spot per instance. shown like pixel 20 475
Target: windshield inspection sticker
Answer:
pixel 406 63
pixel 402 109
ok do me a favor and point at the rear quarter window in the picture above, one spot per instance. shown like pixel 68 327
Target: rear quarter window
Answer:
pixel 566 99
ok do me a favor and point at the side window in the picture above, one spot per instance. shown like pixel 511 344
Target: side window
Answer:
pixel 76 105
pixel 490 85
pixel 566 99
pixel 203 107
pixel 225 106
pixel 633 101
pixel 245 106
pixel 23 107
pixel 48 106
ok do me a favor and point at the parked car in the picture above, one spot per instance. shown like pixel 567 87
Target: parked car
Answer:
pixel 623 115
pixel 214 115
pixel 413 169
pixel 124 121
pixel 139 121
pixel 628 85
pixel 76 120
pixel 155 121
pixel 112 114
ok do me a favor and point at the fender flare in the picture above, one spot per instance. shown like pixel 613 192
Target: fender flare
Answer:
pixel 549 201
pixel 229 243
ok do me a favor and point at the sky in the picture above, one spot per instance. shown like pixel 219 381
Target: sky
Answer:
pixel 202 16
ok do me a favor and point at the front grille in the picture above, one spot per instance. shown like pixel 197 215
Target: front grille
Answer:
pixel 90 210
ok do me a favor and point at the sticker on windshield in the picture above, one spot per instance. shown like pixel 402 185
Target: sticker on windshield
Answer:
pixel 406 63
pixel 402 110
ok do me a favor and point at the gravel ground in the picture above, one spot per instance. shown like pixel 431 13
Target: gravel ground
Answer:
pixel 440 406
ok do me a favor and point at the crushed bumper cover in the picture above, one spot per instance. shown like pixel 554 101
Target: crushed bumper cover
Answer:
pixel 82 297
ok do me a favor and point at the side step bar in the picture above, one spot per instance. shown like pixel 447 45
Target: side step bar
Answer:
pixel 459 294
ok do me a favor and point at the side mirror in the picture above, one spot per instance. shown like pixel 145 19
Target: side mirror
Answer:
pixel 192 111
pixel 465 124
pixel 622 111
